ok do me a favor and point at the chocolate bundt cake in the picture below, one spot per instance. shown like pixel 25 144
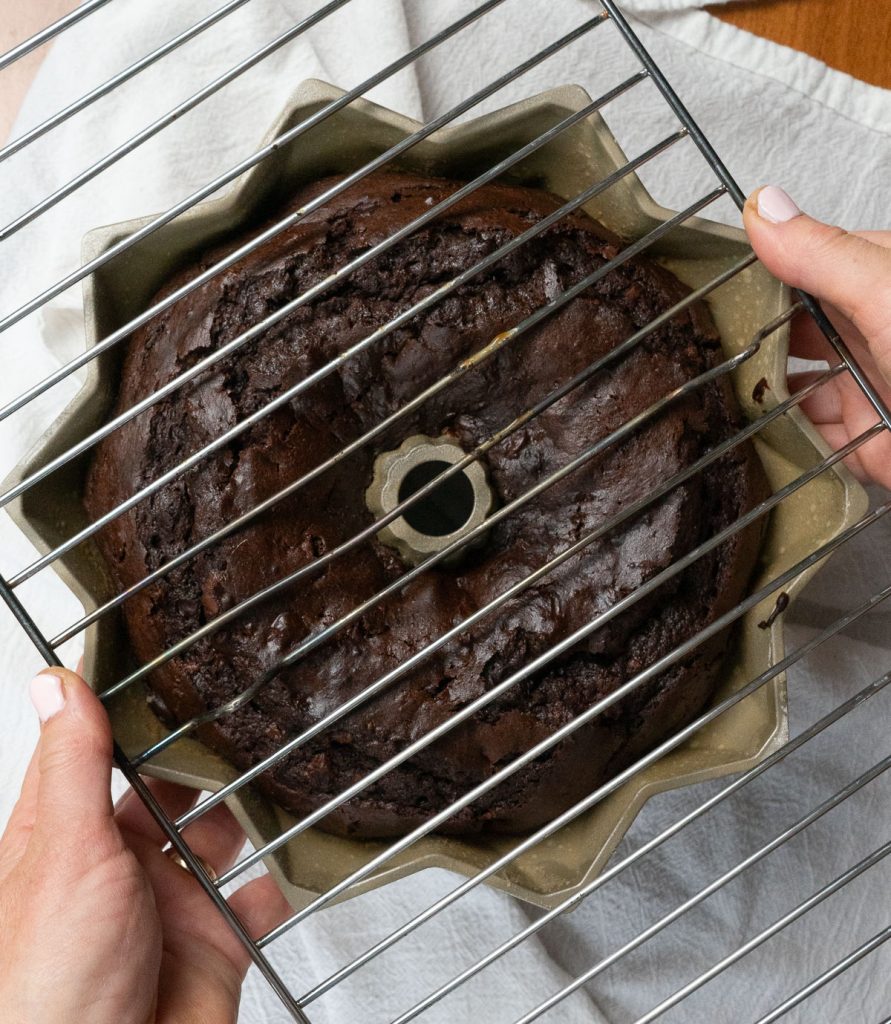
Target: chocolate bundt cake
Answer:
pixel 354 398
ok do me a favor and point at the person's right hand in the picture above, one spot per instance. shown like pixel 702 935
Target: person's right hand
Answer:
pixel 850 273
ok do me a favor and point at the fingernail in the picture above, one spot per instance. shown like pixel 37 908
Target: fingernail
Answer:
pixel 776 205
pixel 47 695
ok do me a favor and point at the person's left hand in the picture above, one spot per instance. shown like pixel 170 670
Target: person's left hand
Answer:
pixel 99 926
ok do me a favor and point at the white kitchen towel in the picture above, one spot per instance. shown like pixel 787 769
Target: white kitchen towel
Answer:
pixel 774 115
pixel 863 103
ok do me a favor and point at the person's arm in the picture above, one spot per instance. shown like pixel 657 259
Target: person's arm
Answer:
pixel 19 20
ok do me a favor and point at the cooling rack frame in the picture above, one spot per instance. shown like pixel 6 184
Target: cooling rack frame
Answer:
pixel 173 830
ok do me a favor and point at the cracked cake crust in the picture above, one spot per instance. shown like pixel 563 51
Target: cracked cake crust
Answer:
pixel 356 397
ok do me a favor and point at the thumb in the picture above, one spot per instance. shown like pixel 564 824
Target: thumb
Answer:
pixel 74 756
pixel 850 272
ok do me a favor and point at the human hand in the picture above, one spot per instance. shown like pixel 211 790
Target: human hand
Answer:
pixel 98 924
pixel 851 275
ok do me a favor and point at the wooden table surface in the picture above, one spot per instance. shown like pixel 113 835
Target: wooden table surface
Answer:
pixel 851 35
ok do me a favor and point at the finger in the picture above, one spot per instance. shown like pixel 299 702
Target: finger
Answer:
pixel 74 757
pixel 26 806
pixel 882 238
pixel 837 435
pixel 841 414
pixel 133 816
pixel 809 342
pixel 260 905
pixel 21 821
pixel 194 930
pixel 202 979
pixel 825 409
pixel 824 405
pixel 873 458
pixel 217 837
pixel 846 270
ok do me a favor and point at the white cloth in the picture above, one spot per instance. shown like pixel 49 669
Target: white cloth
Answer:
pixel 774 115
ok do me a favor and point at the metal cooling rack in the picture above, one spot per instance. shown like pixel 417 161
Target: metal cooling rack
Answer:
pixel 259 946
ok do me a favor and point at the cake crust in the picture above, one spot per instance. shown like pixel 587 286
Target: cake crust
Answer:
pixel 290 442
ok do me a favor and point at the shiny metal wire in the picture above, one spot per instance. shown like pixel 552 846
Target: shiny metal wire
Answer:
pixel 50 32
pixel 494 345
pixel 833 972
pixel 793 915
pixel 544 745
pixel 683 130
pixel 163 122
pixel 17 145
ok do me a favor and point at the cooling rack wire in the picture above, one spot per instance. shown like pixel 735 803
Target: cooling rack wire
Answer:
pixel 607 18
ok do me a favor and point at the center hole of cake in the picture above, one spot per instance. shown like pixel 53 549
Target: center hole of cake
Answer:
pixel 446 508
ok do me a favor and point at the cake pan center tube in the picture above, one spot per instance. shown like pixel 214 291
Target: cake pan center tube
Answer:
pixel 444 513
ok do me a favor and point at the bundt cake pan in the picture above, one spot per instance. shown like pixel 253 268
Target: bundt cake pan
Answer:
pixel 697 251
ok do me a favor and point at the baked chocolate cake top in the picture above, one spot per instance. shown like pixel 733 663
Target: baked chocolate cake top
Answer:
pixel 355 397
